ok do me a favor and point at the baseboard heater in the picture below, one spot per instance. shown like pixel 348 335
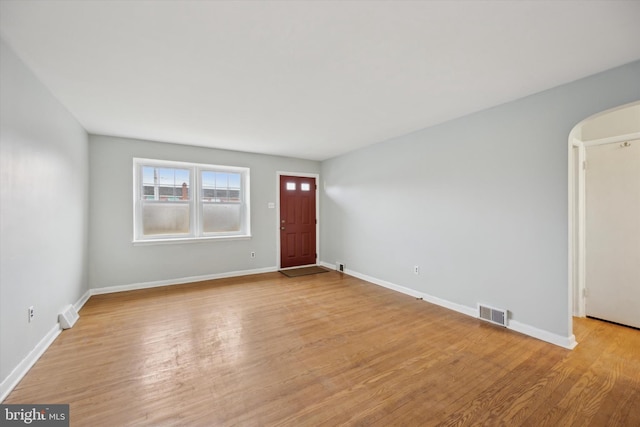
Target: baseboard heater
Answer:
pixel 68 317
pixel 494 315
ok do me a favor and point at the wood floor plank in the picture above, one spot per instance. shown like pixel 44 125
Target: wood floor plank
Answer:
pixel 326 349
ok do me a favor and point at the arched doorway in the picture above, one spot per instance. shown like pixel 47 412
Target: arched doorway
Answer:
pixel 605 132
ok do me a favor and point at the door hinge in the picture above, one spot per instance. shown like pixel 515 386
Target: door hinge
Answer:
pixel 585 292
pixel 316 255
pixel 316 221
pixel 584 165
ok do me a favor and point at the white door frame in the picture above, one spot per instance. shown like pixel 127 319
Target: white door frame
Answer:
pixel 317 189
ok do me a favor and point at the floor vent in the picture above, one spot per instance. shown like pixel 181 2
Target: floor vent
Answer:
pixel 68 317
pixel 493 315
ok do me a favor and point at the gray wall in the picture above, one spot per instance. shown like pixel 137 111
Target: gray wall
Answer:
pixel 479 203
pixel 115 261
pixel 43 215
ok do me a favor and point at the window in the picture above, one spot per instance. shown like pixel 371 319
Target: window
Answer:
pixel 178 201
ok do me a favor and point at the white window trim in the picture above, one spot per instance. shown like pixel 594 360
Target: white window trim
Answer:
pixel 195 205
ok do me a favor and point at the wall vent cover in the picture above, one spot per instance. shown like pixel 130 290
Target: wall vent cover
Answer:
pixel 493 315
pixel 68 317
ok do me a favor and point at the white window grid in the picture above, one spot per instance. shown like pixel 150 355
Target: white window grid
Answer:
pixel 195 201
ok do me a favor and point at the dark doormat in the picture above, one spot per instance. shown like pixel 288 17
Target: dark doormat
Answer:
pixel 304 271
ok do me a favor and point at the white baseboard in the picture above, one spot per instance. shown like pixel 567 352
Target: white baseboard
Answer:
pixel 23 367
pixel 179 281
pixel 559 340
pixel 566 342
pixel 327 265
pixel 82 301
pixel 416 294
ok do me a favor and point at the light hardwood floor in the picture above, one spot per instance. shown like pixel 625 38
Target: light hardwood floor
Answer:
pixel 327 349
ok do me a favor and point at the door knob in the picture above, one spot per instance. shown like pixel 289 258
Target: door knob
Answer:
pixel 281 228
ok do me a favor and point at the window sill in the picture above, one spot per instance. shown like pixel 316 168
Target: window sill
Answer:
pixel 181 240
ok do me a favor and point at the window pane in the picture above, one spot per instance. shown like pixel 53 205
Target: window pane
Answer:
pixel 165 218
pixel 217 218
pixel 305 186
pixel 167 184
pixel 291 185
pixel 221 187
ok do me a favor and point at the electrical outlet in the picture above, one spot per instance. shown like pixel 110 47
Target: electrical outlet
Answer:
pixel 253 254
pixel 340 267
pixel 416 269
pixel 31 313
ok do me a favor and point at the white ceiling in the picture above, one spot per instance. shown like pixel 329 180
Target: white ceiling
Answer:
pixel 308 79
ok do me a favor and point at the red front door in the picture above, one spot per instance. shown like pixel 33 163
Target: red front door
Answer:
pixel 297 221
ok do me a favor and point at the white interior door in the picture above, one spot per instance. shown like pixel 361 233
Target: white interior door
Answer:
pixel 613 232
